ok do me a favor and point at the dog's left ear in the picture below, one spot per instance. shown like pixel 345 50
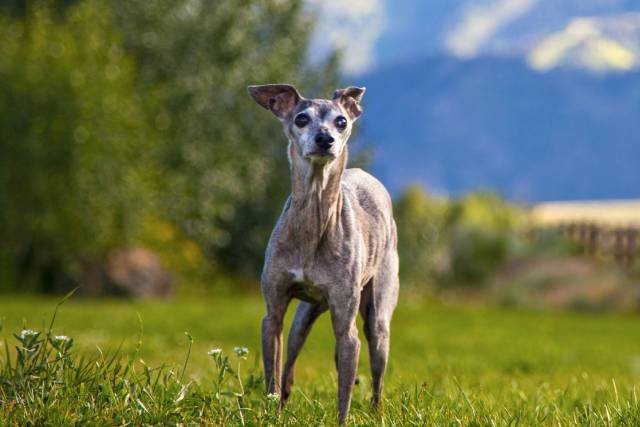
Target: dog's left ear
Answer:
pixel 280 99
pixel 350 99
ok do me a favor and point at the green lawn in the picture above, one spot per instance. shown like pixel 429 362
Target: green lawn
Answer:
pixel 453 365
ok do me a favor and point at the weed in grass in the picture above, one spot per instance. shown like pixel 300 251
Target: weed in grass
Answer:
pixel 46 383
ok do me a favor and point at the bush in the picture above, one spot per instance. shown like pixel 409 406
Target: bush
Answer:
pixel 486 231
pixel 421 222
pixel 477 252
pixel 444 242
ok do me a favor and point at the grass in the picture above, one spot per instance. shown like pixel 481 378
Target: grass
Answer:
pixel 449 365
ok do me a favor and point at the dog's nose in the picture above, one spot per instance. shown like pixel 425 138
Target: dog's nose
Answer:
pixel 324 140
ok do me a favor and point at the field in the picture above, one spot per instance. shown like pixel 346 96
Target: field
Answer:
pixel 623 212
pixel 449 365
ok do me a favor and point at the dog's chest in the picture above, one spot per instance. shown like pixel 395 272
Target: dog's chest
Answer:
pixel 305 289
pixel 298 275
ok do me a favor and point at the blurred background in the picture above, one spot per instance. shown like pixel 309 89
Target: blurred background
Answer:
pixel 133 163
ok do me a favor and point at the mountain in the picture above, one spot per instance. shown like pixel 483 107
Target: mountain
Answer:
pixel 494 122
pixel 539 99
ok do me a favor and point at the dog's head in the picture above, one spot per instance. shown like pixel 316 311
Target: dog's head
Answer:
pixel 318 129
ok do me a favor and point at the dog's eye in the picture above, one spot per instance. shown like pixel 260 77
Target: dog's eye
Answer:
pixel 302 120
pixel 341 122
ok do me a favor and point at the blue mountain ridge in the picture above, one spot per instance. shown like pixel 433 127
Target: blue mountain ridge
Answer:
pixel 456 126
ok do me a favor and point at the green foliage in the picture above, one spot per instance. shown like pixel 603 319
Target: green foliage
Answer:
pixel 421 222
pixel 73 141
pixel 225 168
pixel 449 366
pixel 485 234
pixel 114 116
pixel 446 242
pixel 489 211
pixel 477 252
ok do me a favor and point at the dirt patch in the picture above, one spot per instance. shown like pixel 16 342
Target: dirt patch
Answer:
pixel 561 283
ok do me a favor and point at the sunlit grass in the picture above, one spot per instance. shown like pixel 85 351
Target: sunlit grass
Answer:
pixel 449 365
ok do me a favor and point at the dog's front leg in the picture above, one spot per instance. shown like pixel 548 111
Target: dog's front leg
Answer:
pixel 277 302
pixel 272 351
pixel 344 310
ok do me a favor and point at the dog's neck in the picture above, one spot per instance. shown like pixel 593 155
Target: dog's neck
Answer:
pixel 316 197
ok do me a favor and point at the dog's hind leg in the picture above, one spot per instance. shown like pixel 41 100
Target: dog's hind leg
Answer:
pixel 306 315
pixel 379 300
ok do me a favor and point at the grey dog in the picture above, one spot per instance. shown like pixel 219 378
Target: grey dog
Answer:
pixel 334 246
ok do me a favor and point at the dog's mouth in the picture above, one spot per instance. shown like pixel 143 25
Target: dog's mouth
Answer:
pixel 320 156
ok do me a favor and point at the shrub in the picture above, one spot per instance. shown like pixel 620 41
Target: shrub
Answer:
pixel 444 242
pixel 477 252
pixel 421 223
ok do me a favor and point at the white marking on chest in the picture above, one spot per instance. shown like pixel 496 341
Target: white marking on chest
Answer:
pixel 298 275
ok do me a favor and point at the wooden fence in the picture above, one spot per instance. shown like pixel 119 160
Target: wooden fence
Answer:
pixel 621 243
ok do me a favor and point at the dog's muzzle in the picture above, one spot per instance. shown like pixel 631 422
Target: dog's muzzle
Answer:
pixel 324 140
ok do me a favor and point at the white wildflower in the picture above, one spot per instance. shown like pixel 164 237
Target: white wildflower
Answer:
pixel 25 333
pixel 214 351
pixel 241 351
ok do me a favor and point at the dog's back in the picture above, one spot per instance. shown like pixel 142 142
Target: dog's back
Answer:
pixel 375 207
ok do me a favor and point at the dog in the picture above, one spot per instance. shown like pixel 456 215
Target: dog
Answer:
pixel 334 247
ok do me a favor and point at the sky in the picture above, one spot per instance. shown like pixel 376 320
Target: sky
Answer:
pixel 353 27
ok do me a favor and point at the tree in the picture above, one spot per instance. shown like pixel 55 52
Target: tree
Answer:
pixel 73 140
pixel 225 173
pixel 117 113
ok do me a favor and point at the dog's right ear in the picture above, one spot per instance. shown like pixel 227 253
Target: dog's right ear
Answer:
pixel 280 99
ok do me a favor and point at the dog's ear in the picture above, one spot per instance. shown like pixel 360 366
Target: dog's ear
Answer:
pixel 350 99
pixel 280 99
